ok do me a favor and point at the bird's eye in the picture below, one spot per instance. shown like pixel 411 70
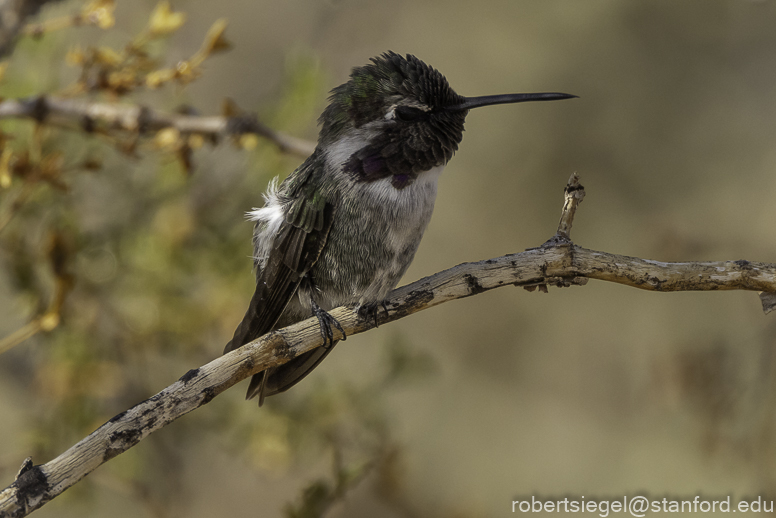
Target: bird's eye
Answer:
pixel 409 114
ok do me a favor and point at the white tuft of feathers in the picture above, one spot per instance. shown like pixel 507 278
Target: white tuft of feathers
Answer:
pixel 268 220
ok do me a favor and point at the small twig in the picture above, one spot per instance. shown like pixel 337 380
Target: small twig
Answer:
pixel 574 193
pixel 25 332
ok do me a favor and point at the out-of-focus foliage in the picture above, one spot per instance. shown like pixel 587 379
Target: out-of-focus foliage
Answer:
pixel 123 271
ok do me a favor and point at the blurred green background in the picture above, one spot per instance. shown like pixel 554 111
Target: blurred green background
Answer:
pixel 597 391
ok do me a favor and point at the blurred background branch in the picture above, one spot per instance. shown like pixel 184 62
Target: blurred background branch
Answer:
pixel 172 130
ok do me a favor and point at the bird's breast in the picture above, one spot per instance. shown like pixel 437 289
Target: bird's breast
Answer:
pixel 407 210
pixel 374 238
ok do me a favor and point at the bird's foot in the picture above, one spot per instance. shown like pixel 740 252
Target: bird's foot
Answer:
pixel 372 310
pixel 326 322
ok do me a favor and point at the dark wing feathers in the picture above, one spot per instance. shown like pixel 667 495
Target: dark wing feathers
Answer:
pixel 296 248
pixel 295 251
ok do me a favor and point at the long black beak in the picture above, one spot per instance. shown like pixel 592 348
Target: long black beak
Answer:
pixel 487 100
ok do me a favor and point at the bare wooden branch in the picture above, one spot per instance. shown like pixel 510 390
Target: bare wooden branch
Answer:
pixel 88 115
pixel 557 263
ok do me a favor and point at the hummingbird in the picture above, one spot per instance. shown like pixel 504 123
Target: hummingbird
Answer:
pixel 345 225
